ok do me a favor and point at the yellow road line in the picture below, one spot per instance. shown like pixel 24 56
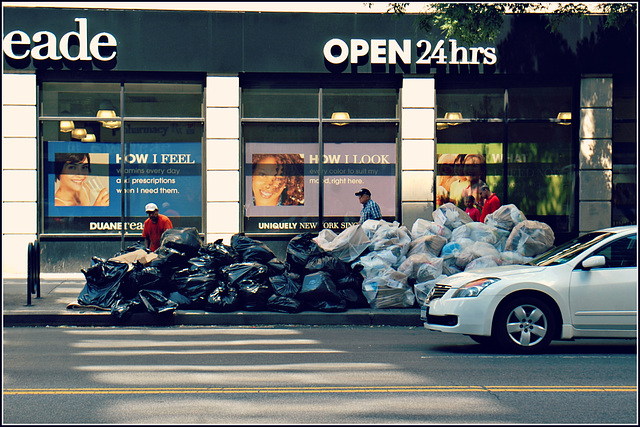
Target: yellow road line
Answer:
pixel 374 389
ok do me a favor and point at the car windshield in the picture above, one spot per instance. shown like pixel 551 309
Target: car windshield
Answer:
pixel 569 250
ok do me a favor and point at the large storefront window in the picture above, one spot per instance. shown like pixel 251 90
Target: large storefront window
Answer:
pixel 517 139
pixel 309 147
pixel 111 148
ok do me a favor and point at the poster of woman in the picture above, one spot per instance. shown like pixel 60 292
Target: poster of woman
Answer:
pixel 459 176
pixel 74 183
pixel 278 179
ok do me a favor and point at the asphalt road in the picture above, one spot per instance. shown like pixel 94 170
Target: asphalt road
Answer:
pixel 307 375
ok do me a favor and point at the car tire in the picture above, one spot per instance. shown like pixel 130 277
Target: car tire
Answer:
pixel 524 325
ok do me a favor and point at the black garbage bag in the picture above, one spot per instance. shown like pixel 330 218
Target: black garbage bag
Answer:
pixel 354 298
pixel 326 306
pixel 182 301
pixel 224 298
pixel 352 280
pixel 186 240
pixel 123 308
pixel 329 264
pixel 253 295
pixel 169 260
pixel 287 284
pixel 275 267
pixel 156 302
pixel 203 262
pixel 300 250
pixel 104 279
pixel 350 288
pixel 222 254
pixel 283 304
pixel 194 286
pixel 319 287
pixel 251 250
pixel 237 272
pixel 141 277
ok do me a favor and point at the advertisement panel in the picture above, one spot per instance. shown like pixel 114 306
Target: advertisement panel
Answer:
pixel 83 188
pixel 282 182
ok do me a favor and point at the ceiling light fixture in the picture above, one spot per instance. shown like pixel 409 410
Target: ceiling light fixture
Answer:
pixel 340 115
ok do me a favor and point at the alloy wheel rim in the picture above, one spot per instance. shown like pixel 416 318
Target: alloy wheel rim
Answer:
pixel 527 325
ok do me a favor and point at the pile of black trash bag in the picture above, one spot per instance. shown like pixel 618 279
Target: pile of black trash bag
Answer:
pixel 246 275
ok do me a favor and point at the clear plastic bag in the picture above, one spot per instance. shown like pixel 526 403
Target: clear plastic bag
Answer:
pixel 429 244
pixel 451 216
pixel 530 238
pixel 421 267
pixel 505 217
pixel 347 246
pixel 422 289
pixel 483 262
pixel 476 231
pixel 422 227
pixel 476 250
pixel 371 264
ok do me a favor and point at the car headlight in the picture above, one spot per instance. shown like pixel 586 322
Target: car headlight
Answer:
pixel 473 289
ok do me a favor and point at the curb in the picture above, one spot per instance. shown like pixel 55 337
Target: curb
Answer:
pixel 362 317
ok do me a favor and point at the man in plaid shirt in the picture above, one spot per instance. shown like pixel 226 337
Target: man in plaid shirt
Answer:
pixel 370 209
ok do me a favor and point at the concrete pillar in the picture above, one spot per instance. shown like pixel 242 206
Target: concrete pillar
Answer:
pixel 595 158
pixel 19 170
pixel 417 177
pixel 223 177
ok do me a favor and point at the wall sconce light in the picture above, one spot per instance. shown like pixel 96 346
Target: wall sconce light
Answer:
pixel 114 124
pixel 449 116
pixel 340 115
pixel 564 118
pixel 453 116
pixel 79 133
pixel 107 111
pixel 89 138
pixel 66 125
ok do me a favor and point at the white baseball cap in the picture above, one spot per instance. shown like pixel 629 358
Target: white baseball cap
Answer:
pixel 150 207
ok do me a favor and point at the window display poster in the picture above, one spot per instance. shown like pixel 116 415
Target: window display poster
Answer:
pixel 282 184
pixel 84 188
pixel 459 175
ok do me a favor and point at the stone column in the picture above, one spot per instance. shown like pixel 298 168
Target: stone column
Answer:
pixel 418 149
pixel 595 159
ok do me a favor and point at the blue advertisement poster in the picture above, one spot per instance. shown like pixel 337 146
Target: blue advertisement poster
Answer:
pixel 84 189
pixel 282 182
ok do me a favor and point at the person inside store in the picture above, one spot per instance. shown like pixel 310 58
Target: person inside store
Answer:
pixel 490 202
pixel 154 226
pixel 72 171
pixel 370 209
pixel 278 180
pixel 471 209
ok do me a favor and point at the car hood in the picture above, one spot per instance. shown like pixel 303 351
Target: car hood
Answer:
pixel 502 272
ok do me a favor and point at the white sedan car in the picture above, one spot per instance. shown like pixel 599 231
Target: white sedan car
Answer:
pixel 586 288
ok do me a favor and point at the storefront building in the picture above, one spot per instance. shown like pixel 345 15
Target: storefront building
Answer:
pixel 268 123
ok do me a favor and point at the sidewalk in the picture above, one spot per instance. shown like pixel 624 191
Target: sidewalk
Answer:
pixel 57 291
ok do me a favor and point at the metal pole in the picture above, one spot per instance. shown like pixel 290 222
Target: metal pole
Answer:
pixel 122 154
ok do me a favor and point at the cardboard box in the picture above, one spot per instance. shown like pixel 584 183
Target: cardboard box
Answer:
pixel 139 255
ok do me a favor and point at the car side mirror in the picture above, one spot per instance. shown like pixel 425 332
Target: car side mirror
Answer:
pixel 594 262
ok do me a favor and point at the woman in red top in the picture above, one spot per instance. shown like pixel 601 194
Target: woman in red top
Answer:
pixel 491 202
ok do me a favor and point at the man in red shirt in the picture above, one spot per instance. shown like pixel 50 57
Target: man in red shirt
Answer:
pixel 491 202
pixel 154 226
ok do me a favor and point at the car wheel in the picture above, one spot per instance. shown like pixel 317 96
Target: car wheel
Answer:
pixel 481 339
pixel 524 325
